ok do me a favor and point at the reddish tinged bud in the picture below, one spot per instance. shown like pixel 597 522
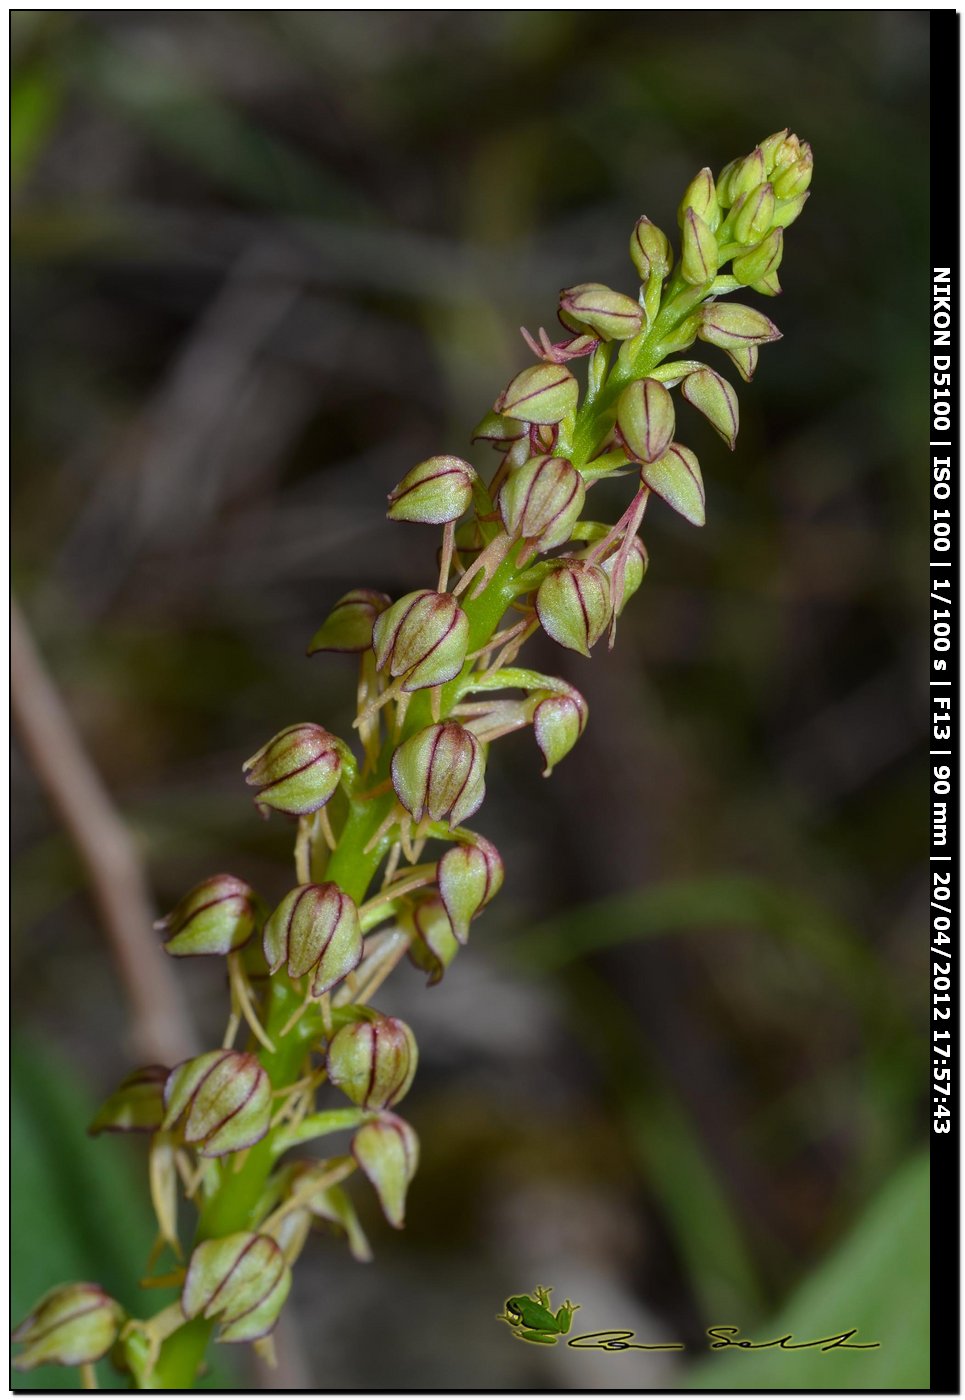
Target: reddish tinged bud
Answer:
pixel 541 501
pixel 544 393
pixel 422 638
pixel 742 176
pixel 650 250
pixel 432 945
pixel 698 250
pixel 387 1150
pixel 753 213
pixel 711 394
pixel 592 307
pixel 73 1325
pixel 373 1062
pixel 242 1280
pixel 315 929
pixel 440 773
pixel 701 196
pixel 433 493
pixel 573 605
pixel 645 420
pixel 297 771
pixel 734 327
pixel 136 1105
pixel 677 478
pixel 217 916
pixel 224 1100
pixel 558 721
pixel 499 431
pixel 469 877
pixel 348 626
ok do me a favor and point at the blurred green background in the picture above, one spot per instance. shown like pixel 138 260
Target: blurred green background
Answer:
pixel 264 262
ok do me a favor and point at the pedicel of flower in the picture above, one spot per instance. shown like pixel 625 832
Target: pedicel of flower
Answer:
pixel 315 929
pixel 387 1150
pixel 348 626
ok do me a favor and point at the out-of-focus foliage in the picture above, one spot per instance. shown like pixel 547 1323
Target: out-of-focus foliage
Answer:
pixel 263 263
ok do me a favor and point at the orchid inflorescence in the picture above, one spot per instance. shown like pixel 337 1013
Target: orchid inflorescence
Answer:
pixel 438 683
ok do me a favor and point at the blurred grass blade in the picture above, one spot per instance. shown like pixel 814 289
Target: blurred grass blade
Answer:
pixel 34 105
pixel 877 1280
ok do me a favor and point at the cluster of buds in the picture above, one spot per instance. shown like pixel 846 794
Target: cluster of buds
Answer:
pixel 437 685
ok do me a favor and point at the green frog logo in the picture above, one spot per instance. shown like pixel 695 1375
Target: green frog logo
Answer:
pixel 532 1319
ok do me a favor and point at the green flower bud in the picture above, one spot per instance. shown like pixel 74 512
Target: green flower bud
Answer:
pixel 217 916
pixel 677 478
pixel 558 721
pixel 373 1062
pixel 731 326
pixel 440 773
pixel 297 771
pixel 242 1280
pixel 224 1099
pixel 469 877
pixel 432 945
pixel 573 604
pixel 136 1105
pixel 433 493
pixel 543 393
pixel 541 501
pixel 771 148
pixel 73 1325
pixel 698 250
pixel 348 626
pixel 315 929
pixel 787 210
pixel 634 565
pixel 591 306
pixel 650 251
pixel 761 261
pixel 744 359
pixel 745 175
pixel 710 393
pixel 422 638
pixel 701 196
pixel 387 1150
pixel 645 420
pixel 795 178
pixel 499 431
pixel 753 213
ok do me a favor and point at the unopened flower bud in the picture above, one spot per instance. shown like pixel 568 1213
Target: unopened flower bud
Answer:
pixel 348 626
pixel 794 178
pixel 731 326
pixel 744 175
pixel 650 251
pixel 710 393
pixel 761 261
pixel 645 420
pixel 297 771
pixel 73 1325
pixel 744 359
pixel 469 877
pixel 242 1280
pixel 440 773
pixel 753 213
pixel 422 638
pixel 543 393
pixel 698 250
pixel 573 604
pixel 432 943
pixel 558 721
pixel 387 1150
pixel 224 1099
pixel 541 501
pixel 701 196
pixel 634 566
pixel 315 929
pixel 499 431
pixel 677 478
pixel 787 210
pixel 136 1105
pixel 772 147
pixel 433 493
pixel 217 916
pixel 591 306
pixel 373 1062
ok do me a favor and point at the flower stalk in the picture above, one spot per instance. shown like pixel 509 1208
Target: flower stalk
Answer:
pixel 384 864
